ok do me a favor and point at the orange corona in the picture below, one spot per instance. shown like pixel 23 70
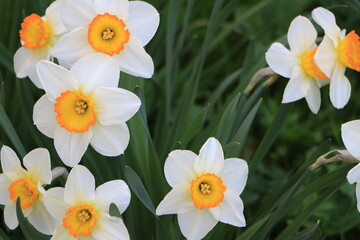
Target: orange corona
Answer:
pixel 207 191
pixel 35 32
pixel 26 190
pixel 309 66
pixel 80 220
pixel 107 34
pixel 75 112
pixel 349 51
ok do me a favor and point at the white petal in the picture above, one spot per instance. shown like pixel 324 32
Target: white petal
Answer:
pixel 10 215
pixel 350 133
pixel 313 97
pixel 281 60
pixel 211 158
pixel 44 116
pixel 105 195
pixel 353 175
pixel 234 174
pixel 71 146
pixel 96 70
pixel 358 196
pixel 4 185
pixel 326 20
pixel 326 56
pixel 54 202
pixel 179 167
pixel 37 162
pixel 143 21
pixel 301 35
pixel 77 13
pixel 110 228
pixel 80 186
pixel 55 79
pixel 120 8
pixel 110 140
pixel 134 60
pixel 53 16
pixel 72 46
pixel 41 219
pixel 196 224
pixel 230 210
pixel 177 201
pixel 115 105
pixel 10 164
pixel 62 233
pixel 340 88
pixel 25 61
pixel 297 86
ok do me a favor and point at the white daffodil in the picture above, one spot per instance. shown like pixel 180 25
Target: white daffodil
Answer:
pixel 38 35
pixel 335 53
pixel 350 133
pixel 117 28
pixel 82 212
pixel 205 190
pixel 298 64
pixel 83 106
pixel 16 182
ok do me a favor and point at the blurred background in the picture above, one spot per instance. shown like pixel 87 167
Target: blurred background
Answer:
pixel 205 53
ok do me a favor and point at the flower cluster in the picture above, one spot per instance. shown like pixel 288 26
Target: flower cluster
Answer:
pixel 309 66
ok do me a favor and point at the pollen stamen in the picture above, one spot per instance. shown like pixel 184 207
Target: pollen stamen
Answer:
pixel 84 216
pixel 81 107
pixel 205 188
pixel 108 34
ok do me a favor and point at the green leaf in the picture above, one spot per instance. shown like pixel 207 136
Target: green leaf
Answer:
pixel 28 230
pixel 3 235
pixel 254 228
pixel 6 58
pixel 138 188
pixel 10 132
pixel 312 233
pixel 114 211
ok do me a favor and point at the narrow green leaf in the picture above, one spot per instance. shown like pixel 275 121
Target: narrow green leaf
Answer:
pixel 275 217
pixel 270 136
pixel 6 58
pixel 254 228
pixel 312 233
pixel 138 188
pixel 3 235
pixel 10 132
pixel 28 230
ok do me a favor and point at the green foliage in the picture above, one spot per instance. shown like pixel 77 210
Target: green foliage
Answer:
pixel 205 54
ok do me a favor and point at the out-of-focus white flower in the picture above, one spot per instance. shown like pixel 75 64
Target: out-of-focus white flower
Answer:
pixel 205 190
pixel 298 64
pixel 16 182
pixel 82 212
pixel 117 28
pixel 335 53
pixel 83 106
pixel 38 35
pixel 350 133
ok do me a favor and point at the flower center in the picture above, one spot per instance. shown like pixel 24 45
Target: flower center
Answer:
pixel 35 32
pixel 75 112
pixel 24 189
pixel 349 51
pixel 309 66
pixel 207 191
pixel 107 34
pixel 80 220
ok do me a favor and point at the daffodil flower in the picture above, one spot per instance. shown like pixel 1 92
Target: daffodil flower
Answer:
pixel 298 64
pixel 117 28
pixel 205 190
pixel 351 138
pixel 82 212
pixel 83 106
pixel 16 182
pixel 335 53
pixel 38 35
